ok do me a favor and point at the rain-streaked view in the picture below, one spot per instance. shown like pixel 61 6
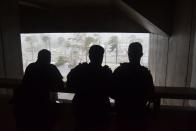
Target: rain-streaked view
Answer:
pixel 70 49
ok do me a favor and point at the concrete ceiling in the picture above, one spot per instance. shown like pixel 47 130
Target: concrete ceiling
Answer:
pixel 65 3
pixel 146 20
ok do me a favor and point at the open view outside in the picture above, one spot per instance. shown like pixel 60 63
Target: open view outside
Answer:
pixel 70 49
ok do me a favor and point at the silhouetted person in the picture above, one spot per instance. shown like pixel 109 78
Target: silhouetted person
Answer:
pixel 90 82
pixel 133 85
pixel 33 107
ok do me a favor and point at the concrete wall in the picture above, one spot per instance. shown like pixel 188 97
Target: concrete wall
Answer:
pixel 193 69
pixel 76 19
pixel 157 11
pixel 193 80
pixel 10 55
pixel 158 58
pixel 38 20
pixel 178 50
pixel 179 45
pixel 2 73
pixel 171 64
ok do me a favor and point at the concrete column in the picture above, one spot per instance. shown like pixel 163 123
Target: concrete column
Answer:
pixel 161 60
pixel 152 54
pixel 10 45
pixel 158 54
pixel 193 79
pixel 193 69
pixel 179 45
pixel 2 68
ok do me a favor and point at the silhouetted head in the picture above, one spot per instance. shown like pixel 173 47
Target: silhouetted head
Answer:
pixel 44 57
pixel 135 52
pixel 96 54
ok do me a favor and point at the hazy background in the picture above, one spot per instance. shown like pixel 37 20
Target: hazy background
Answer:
pixel 70 49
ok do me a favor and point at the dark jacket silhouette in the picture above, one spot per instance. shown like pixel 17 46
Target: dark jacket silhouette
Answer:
pixel 133 84
pixel 32 101
pixel 91 85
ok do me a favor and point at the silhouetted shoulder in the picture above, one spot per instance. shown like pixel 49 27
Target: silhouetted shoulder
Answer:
pixel 81 66
pixel 78 68
pixel 30 67
pixel 53 66
pixel 75 73
pixel 124 64
pixel 107 69
pixel 56 71
pixel 148 79
pixel 122 67
pixel 145 70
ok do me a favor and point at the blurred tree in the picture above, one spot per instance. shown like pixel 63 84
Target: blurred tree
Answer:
pixel 60 40
pixel 61 60
pixel 97 38
pixel 87 42
pixel 133 38
pixel 113 42
pixel 74 56
pixel 78 38
pixel 77 41
pixel 31 40
pixel 46 40
pixel 67 44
